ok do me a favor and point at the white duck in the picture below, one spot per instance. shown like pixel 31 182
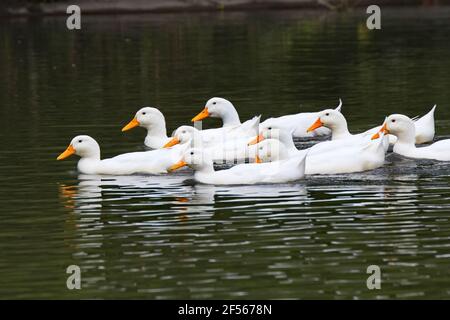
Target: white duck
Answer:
pixel 249 173
pixel 231 124
pixel 404 129
pixel 300 122
pixel 148 162
pixel 339 161
pixel 336 122
pixel 425 129
pixel 153 120
pixel 218 150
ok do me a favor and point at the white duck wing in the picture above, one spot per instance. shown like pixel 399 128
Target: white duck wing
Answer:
pixel 148 162
pixel 249 128
pixel 333 145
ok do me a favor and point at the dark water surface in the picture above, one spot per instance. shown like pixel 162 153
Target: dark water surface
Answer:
pixel 163 237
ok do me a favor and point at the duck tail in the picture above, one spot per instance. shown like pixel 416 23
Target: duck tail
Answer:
pixel 433 110
pixel 430 114
pixel 339 107
pixel 300 161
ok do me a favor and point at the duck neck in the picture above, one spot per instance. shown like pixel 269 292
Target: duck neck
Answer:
pixel 287 140
pixel 157 131
pixel 205 168
pixel 230 118
pixel 282 153
pixel 339 130
pixel 406 137
pixel 88 162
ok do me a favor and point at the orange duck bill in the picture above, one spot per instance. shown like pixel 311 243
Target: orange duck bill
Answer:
pixel 202 115
pixel 177 165
pixel 172 142
pixel 67 153
pixel 315 125
pixel 258 139
pixel 132 124
pixel 383 129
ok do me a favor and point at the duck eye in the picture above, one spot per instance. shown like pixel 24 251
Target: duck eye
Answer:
pixel 144 113
pixel 327 114
pixel 214 102
pixel 270 128
pixel 192 153
pixel 80 141
pixel 393 120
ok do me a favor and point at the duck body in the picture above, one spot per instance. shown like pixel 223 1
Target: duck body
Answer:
pixel 348 159
pixel 254 173
pixel 145 162
pixel 250 173
pixel 330 148
pixel 439 150
pixel 351 159
pixel 298 124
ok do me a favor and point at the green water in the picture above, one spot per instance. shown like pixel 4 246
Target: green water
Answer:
pixel 163 237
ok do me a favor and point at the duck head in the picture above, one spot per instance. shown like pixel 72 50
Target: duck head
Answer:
pixel 219 108
pixel 398 125
pixel 182 135
pixel 83 146
pixel 194 158
pixel 269 130
pixel 329 118
pixel 147 117
pixel 270 150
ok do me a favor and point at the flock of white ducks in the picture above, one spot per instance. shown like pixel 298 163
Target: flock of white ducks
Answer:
pixel 268 145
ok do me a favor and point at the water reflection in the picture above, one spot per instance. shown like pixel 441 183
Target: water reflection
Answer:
pixel 181 191
pixel 188 238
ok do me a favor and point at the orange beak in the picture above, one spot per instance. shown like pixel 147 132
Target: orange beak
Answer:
pixel 172 142
pixel 315 125
pixel 258 139
pixel 258 159
pixel 383 129
pixel 202 115
pixel 69 151
pixel 177 165
pixel 132 124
